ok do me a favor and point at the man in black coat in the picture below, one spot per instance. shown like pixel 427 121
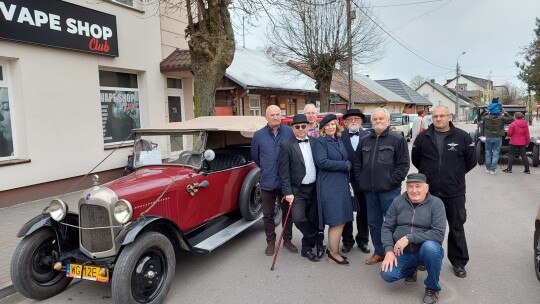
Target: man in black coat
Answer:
pixel 351 138
pixel 297 174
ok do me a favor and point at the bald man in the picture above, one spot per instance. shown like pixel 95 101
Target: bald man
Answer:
pixel 264 151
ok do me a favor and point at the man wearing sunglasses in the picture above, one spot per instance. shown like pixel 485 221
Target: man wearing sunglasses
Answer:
pixel 297 173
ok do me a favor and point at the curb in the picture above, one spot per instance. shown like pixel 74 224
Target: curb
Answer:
pixel 7 289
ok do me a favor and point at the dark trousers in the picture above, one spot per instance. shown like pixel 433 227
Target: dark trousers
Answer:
pixel 512 153
pixel 305 216
pixel 269 202
pixel 362 237
pixel 456 214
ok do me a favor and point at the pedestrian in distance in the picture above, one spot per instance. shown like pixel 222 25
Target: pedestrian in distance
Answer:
pixel 265 146
pixel 333 195
pixel 519 140
pixel 382 163
pixel 412 236
pixel 351 137
pixel 297 173
pixel 494 120
pixel 444 154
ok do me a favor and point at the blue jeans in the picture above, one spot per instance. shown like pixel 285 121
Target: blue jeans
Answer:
pixel 377 205
pixel 431 255
pixel 492 147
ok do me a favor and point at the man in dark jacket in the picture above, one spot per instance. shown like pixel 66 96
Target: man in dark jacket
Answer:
pixel 297 173
pixel 351 138
pixel 494 120
pixel 264 151
pixel 445 154
pixel 412 235
pixel 382 163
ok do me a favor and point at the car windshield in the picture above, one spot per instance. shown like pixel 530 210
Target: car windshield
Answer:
pixel 172 149
pixel 396 120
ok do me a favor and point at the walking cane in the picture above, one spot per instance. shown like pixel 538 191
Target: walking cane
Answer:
pixel 281 236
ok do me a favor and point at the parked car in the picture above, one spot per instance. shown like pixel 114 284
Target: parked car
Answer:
pixel 536 244
pixel 194 188
pixel 480 140
pixel 287 120
pixel 400 123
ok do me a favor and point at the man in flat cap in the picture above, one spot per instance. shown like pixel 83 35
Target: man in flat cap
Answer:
pixel 351 138
pixel 412 235
pixel 297 173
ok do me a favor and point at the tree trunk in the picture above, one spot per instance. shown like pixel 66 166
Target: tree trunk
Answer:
pixel 324 93
pixel 211 46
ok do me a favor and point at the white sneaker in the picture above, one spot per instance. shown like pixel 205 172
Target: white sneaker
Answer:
pixel 492 172
pixel 488 171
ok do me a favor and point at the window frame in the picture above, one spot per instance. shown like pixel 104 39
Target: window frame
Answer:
pixel 254 110
pixel 5 82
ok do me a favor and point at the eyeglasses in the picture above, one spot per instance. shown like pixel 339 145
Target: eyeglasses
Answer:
pixel 352 119
pixel 298 127
pixel 439 116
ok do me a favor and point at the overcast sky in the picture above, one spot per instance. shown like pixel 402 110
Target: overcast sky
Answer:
pixel 491 32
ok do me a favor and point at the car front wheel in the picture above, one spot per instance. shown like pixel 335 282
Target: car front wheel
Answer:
pixel 535 156
pixel 144 270
pixel 480 153
pixel 31 267
pixel 250 201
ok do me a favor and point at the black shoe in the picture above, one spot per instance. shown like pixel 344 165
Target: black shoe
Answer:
pixel 346 248
pixel 364 248
pixel 507 171
pixel 342 256
pixel 310 255
pixel 431 296
pixel 321 249
pixel 460 271
pixel 412 278
pixel 333 260
pixel 527 172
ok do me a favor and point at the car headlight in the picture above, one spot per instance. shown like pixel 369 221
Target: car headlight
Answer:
pixel 122 211
pixel 58 210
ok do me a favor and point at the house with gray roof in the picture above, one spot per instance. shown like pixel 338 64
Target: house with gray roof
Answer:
pixel 438 95
pixel 417 102
pixel 478 89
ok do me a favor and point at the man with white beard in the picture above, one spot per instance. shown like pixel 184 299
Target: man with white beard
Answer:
pixel 351 138
pixel 382 163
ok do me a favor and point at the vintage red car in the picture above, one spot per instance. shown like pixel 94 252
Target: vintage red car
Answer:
pixel 194 187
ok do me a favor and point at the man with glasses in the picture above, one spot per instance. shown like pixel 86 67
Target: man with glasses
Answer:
pixel 445 154
pixel 351 138
pixel 297 174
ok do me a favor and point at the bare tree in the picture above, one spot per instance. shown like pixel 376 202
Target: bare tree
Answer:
pixel 417 81
pixel 313 33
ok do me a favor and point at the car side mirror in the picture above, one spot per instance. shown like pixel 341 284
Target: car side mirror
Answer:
pixel 209 155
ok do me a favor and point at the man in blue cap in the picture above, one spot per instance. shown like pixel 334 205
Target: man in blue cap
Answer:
pixel 494 131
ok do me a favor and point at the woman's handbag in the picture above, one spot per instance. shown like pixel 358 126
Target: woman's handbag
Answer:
pixel 354 200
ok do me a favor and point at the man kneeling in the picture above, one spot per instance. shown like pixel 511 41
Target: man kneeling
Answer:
pixel 412 235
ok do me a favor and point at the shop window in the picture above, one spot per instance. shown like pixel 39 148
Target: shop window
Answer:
pixel 254 105
pixel 120 113
pixel 6 130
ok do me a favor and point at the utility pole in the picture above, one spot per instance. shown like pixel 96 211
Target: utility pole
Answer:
pixel 458 72
pixel 349 51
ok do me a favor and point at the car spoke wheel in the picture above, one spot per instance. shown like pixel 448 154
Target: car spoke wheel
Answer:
pixel 144 270
pixel 278 213
pixel 250 201
pixel 31 268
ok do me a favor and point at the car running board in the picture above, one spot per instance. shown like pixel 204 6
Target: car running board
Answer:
pixel 222 236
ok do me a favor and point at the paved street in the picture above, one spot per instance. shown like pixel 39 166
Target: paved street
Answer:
pixel 501 210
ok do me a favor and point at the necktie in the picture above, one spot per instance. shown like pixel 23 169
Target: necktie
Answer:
pixel 354 134
pixel 303 140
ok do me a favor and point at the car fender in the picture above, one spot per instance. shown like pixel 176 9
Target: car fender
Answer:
pixel 535 141
pixel 155 223
pixel 45 220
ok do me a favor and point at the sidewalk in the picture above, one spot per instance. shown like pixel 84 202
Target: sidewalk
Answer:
pixel 11 220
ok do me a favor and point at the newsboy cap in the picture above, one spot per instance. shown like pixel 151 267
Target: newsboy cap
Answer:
pixel 354 112
pixel 328 118
pixel 416 178
pixel 298 119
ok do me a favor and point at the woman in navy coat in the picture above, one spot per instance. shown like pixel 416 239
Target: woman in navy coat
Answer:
pixel 333 195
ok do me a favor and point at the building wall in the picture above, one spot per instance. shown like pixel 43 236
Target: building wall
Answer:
pixel 55 98
pixel 392 107
pixel 485 95
pixel 437 98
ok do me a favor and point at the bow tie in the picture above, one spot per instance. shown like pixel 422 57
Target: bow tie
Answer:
pixel 303 140
pixel 354 134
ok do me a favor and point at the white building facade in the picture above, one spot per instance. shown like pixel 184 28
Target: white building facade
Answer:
pixel 76 76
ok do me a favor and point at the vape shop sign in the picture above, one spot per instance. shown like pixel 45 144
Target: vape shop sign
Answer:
pixel 58 24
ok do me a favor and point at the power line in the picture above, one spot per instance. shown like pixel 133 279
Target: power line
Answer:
pixel 416 18
pixel 399 42
pixel 404 4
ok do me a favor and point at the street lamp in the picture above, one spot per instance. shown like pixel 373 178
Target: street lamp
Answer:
pixel 456 113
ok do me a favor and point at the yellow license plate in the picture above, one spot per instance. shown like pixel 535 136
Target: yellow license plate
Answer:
pixel 90 272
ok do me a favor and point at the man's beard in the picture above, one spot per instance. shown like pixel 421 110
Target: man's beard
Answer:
pixel 379 128
pixel 355 128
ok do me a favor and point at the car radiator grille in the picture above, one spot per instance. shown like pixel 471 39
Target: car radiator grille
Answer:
pixel 95 240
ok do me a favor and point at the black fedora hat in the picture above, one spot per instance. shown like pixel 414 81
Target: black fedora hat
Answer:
pixel 298 119
pixel 354 112
pixel 328 118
